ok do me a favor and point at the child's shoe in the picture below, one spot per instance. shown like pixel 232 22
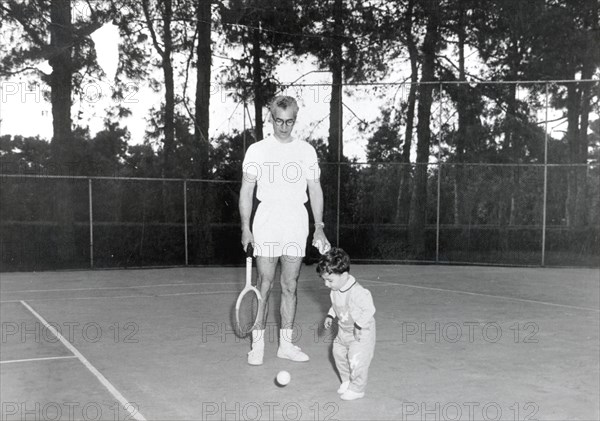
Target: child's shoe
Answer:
pixel 343 387
pixel 350 395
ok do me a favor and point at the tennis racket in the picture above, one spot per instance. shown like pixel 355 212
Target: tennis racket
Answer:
pixel 248 302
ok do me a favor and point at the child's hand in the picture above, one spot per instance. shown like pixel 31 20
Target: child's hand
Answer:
pixel 357 333
pixel 327 323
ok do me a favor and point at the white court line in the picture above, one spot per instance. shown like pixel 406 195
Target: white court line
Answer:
pixel 377 283
pixel 135 296
pixel 131 287
pixel 124 287
pixel 382 283
pixel 124 296
pixel 128 406
pixel 174 294
pixel 38 359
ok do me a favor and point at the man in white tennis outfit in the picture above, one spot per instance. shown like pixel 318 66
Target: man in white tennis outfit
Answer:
pixel 283 168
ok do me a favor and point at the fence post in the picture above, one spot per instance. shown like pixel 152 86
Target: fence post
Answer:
pixel 91 223
pixel 545 180
pixel 185 220
pixel 339 163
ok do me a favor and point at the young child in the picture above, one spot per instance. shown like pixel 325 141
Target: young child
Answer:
pixel 353 306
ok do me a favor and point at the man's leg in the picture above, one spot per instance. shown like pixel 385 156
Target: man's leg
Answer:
pixel 290 271
pixel 266 267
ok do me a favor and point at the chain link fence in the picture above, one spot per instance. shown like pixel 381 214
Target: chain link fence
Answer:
pixel 496 216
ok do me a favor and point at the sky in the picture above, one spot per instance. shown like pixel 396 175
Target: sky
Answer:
pixel 25 111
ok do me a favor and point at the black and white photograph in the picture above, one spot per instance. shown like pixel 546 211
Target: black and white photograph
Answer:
pixel 251 210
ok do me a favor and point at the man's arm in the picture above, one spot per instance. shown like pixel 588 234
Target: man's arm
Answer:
pixel 245 207
pixel 315 193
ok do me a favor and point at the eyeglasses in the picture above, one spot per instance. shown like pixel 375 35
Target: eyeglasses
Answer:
pixel 280 122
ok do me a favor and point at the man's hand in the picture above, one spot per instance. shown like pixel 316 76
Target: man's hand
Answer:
pixel 328 322
pixel 247 238
pixel 320 241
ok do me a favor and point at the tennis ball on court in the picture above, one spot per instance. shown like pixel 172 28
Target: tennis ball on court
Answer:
pixel 283 378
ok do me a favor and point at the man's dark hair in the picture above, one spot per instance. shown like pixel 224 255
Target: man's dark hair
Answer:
pixel 284 102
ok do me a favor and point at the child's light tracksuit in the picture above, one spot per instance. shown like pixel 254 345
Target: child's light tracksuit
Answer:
pixel 353 306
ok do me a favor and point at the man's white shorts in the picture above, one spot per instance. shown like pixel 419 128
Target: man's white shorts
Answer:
pixel 280 229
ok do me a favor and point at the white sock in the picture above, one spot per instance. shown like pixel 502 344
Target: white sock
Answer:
pixel 285 337
pixel 258 338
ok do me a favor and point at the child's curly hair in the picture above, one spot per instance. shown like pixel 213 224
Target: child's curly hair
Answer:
pixel 336 260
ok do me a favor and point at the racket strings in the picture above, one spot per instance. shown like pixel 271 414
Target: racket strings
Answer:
pixel 248 313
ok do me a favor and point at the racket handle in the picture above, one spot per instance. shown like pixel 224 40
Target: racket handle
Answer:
pixel 249 250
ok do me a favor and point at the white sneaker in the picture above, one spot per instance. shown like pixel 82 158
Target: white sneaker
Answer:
pixel 255 356
pixel 349 395
pixel 343 387
pixel 292 352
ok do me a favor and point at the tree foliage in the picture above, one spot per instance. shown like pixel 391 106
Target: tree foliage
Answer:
pixel 468 101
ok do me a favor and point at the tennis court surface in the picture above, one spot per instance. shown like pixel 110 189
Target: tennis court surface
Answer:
pixel 453 343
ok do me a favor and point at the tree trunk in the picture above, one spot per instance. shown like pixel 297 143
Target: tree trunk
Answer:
pixel 587 72
pixel 202 203
pixel 169 140
pixel 403 200
pixel 335 141
pixel 581 171
pixel 259 102
pixel 61 40
pixel 418 208
pixel 203 76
